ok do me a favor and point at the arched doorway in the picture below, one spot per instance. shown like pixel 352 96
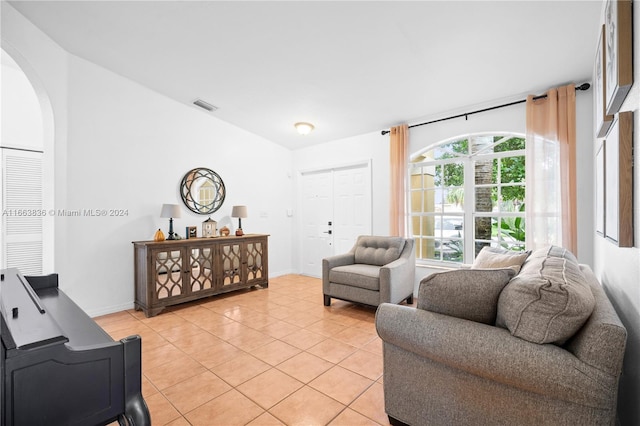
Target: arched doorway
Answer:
pixel 26 181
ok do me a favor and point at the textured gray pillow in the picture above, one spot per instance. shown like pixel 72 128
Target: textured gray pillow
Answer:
pixel 549 300
pixel 471 294
pixel 493 257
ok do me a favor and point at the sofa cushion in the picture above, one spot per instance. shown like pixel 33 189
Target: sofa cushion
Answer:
pixel 493 257
pixel 549 300
pixel 378 251
pixel 357 275
pixel 471 294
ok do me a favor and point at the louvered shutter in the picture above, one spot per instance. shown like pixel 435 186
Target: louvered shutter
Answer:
pixel 22 211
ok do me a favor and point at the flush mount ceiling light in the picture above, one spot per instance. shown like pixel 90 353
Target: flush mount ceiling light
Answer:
pixel 304 128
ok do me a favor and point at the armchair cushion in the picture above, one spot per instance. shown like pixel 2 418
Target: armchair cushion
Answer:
pixel 470 294
pixel 493 257
pixel 549 300
pixel 358 275
pixel 378 251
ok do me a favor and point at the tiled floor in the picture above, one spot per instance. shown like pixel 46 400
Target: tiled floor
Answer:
pixel 272 356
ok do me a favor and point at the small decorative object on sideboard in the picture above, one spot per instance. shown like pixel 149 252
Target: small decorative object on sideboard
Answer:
pixel 209 228
pixel 239 212
pixel 171 211
pixel 158 236
pixel 224 231
pixel 191 232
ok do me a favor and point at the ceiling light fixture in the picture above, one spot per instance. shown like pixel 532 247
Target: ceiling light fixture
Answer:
pixel 304 128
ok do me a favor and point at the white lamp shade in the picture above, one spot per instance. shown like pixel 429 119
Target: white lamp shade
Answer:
pixel 170 210
pixel 239 211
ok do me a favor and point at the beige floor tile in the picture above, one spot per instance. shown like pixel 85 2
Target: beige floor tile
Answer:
pixel 197 342
pixel 173 372
pixel 374 346
pixel 194 392
pixel 217 354
pixel 278 329
pixel 355 336
pixel 303 339
pixel 306 407
pixel 332 350
pixel 326 327
pixel 269 388
pixel 229 409
pixel 163 354
pixel 180 421
pixel 341 384
pixel 164 321
pixel 250 339
pixel 275 352
pixel 180 331
pixel 304 366
pixel 265 419
pixel 240 369
pixel 364 363
pixel 161 410
pixel 351 418
pixel 371 404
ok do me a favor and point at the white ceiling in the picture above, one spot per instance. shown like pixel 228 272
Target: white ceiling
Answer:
pixel 348 67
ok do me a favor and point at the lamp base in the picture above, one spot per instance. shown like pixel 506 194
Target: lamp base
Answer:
pixel 239 232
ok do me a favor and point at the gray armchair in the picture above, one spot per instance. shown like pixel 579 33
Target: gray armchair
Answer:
pixel 376 270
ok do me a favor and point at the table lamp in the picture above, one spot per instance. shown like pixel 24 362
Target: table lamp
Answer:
pixel 170 211
pixel 239 212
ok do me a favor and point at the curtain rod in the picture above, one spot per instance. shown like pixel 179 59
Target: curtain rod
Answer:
pixel 583 86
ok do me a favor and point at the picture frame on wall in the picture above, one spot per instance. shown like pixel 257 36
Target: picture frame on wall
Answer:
pixel 618 176
pixel 602 120
pixel 601 186
pixel 619 53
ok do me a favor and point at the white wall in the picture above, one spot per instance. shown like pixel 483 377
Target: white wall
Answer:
pixel 619 268
pixel 127 147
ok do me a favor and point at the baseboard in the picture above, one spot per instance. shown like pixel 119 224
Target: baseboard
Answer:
pixel 109 310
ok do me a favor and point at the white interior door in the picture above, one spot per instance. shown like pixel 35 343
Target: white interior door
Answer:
pixel 316 213
pixel 335 210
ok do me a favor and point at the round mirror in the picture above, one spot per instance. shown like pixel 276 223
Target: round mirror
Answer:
pixel 202 190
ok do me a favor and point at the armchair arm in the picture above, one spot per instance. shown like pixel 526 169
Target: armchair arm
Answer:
pixel 493 354
pixel 331 262
pixel 397 279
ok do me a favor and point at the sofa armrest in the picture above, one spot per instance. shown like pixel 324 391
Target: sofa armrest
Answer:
pixel 331 262
pixel 493 354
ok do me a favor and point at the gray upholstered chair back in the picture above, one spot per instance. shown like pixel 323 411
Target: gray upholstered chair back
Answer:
pixel 379 251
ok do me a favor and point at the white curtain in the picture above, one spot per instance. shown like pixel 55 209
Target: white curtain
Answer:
pixel 550 169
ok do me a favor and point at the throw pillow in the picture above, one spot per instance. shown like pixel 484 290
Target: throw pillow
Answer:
pixel 470 294
pixel 493 257
pixel 549 300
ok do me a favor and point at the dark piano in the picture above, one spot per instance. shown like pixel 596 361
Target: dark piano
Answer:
pixel 58 367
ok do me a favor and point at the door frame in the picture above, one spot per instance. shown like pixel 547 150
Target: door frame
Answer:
pixel 367 163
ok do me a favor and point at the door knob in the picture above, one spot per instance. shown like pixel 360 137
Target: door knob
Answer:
pixel 328 232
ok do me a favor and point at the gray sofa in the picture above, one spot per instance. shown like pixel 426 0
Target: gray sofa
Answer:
pixel 485 347
pixel 377 269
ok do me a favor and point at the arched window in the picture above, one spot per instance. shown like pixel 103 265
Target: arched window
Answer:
pixel 467 193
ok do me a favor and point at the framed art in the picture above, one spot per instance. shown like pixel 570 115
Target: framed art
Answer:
pixel 600 190
pixel 192 231
pixel 618 176
pixel 601 120
pixel 619 53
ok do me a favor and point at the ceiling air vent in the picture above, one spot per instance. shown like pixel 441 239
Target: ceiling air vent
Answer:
pixel 205 105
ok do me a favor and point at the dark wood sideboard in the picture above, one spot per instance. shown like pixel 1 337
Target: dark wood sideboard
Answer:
pixel 177 271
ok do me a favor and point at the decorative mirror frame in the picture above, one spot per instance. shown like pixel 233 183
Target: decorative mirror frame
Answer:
pixel 196 205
